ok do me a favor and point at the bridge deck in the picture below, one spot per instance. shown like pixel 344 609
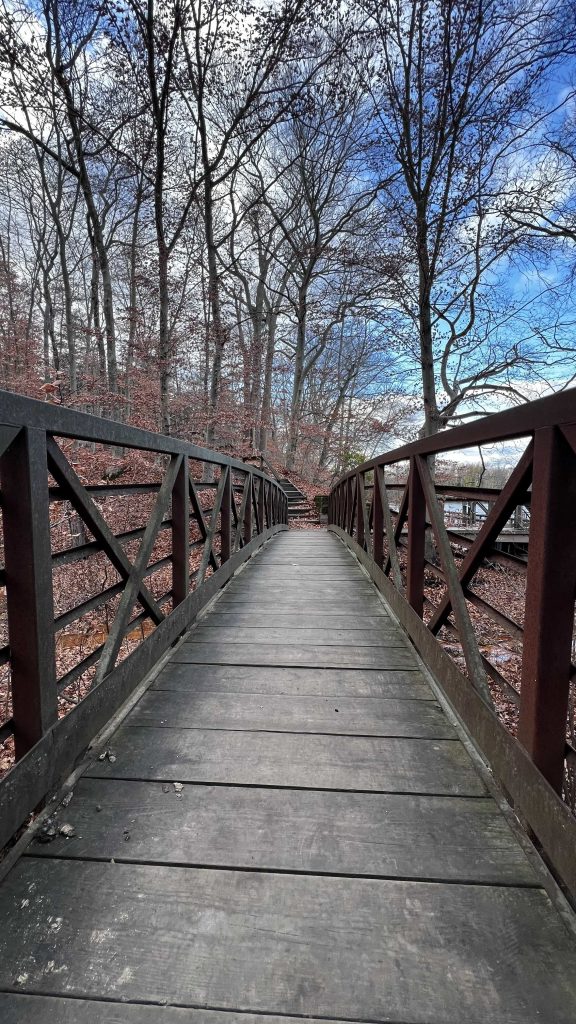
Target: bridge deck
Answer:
pixel 329 849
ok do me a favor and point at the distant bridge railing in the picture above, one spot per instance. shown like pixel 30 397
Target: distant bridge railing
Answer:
pixel 100 579
pixel 472 610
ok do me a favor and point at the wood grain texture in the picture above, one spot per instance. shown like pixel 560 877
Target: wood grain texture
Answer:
pixel 229 600
pixel 344 682
pixel 287 759
pixel 292 713
pixel 390 835
pixel 323 561
pixel 275 943
pixel 296 620
pixel 25 1009
pixel 385 636
pixel 301 573
pixel 292 655
pixel 325 589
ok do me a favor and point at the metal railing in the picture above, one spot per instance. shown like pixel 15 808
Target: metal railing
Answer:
pixel 85 622
pixel 412 554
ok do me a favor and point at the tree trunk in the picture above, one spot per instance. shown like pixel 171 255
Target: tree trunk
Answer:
pixel 95 307
pixel 267 385
pixel 298 383
pixel 49 336
pixel 68 314
pixel 431 416
pixel 218 333
pixel 97 229
pixel 164 342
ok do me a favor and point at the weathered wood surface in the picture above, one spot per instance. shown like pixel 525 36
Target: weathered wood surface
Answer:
pixel 286 654
pixel 21 1009
pixel 383 834
pixel 292 759
pixel 309 862
pixel 236 616
pixel 384 636
pixel 280 943
pixel 348 716
pixel 325 682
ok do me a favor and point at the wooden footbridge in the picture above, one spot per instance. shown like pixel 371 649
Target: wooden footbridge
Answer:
pixel 269 792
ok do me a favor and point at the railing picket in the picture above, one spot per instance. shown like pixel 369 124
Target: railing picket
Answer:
pixel 389 526
pixel 181 534
pixel 86 509
pixel 134 582
pixel 549 616
pixel 416 540
pixel 361 531
pixel 200 522
pixel 248 511
pixel 465 628
pixel 395 534
pixel 378 518
pixel 500 512
pixel 261 507
pixel 26 520
pixel 226 517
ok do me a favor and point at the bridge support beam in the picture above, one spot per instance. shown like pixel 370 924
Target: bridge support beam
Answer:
pixel 549 618
pixel 416 540
pixel 28 558
pixel 181 534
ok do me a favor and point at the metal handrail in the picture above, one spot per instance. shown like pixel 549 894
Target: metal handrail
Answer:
pixel 219 523
pixel 395 547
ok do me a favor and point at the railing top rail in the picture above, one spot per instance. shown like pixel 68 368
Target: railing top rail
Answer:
pixel 19 411
pixel 522 421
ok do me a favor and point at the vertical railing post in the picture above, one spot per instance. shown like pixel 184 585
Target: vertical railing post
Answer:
pixel 247 524
pixel 181 534
pixel 378 518
pixel 416 540
pixel 28 562
pixel 549 615
pixel 349 507
pixel 360 506
pixel 226 516
pixel 261 524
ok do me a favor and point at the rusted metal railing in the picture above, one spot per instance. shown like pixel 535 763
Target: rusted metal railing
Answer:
pixel 133 590
pixel 408 549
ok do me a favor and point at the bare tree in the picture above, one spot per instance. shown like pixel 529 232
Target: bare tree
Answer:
pixel 454 86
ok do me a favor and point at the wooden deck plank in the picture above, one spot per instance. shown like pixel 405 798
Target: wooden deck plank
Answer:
pixel 387 635
pixel 386 835
pixel 26 1009
pixel 305 560
pixel 304 574
pixel 278 943
pixel 324 588
pixel 393 765
pixel 235 616
pixel 341 682
pixel 292 713
pixel 304 604
pixel 292 655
